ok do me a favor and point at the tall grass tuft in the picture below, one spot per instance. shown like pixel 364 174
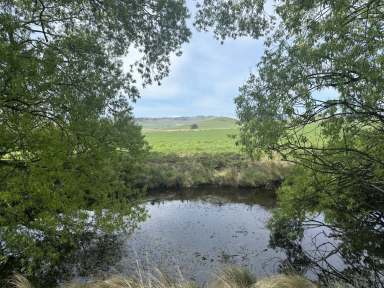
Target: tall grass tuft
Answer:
pixel 19 281
pixel 156 279
pixel 233 277
pixel 284 281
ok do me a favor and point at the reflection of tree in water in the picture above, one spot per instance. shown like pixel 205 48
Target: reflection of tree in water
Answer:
pixel 93 256
pixel 86 255
pixel 356 241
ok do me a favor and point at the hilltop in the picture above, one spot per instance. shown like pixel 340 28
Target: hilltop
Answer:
pixel 182 123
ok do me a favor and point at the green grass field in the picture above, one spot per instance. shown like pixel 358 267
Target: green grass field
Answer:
pixel 214 135
pixel 184 157
pixel 194 141
pixel 174 135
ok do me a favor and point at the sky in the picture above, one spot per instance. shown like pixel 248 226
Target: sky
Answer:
pixel 204 80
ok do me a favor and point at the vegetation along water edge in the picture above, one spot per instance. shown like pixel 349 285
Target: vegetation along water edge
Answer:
pixel 190 152
pixel 164 171
pixel 231 277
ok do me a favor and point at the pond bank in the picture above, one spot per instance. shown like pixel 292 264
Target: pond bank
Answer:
pixel 232 277
pixel 171 171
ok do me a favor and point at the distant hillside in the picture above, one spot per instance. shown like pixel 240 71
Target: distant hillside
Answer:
pixel 178 123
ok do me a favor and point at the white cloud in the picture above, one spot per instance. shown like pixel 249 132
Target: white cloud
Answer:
pixel 204 80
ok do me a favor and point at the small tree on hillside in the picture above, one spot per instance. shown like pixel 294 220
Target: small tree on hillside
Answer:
pixel 194 126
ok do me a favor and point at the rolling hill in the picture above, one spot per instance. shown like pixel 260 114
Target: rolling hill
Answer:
pixel 175 135
pixel 182 123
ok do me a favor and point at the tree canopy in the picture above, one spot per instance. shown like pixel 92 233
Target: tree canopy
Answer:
pixel 317 99
pixel 69 147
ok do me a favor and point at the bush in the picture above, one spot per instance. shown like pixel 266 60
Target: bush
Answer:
pixel 194 126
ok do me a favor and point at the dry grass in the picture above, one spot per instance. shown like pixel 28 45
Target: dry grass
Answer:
pixel 233 277
pixel 284 281
pixel 157 279
pixel 218 170
pixel 20 281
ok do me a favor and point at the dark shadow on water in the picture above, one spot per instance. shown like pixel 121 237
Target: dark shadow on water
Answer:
pixel 219 196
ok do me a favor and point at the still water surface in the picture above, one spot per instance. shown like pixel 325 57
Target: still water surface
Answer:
pixel 202 232
pixel 197 233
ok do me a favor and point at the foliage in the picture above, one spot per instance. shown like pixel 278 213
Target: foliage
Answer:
pixel 304 202
pixel 69 147
pixel 322 68
pixel 194 126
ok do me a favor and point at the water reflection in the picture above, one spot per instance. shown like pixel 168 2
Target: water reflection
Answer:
pixel 219 196
pixel 332 252
pixel 201 231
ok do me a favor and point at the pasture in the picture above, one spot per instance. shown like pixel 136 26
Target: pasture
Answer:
pixel 175 135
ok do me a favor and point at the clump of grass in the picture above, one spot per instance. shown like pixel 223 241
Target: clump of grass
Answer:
pixel 20 281
pixel 158 280
pixel 114 282
pixel 233 277
pixel 284 281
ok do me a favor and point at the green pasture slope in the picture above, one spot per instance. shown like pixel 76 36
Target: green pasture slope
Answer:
pixel 186 158
pixel 174 135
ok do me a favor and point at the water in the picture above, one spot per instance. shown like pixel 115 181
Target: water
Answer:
pixel 198 233
pixel 202 232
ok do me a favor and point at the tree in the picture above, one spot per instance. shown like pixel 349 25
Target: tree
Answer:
pixel 194 126
pixel 69 148
pixel 317 100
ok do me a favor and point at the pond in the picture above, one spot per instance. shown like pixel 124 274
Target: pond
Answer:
pixel 200 232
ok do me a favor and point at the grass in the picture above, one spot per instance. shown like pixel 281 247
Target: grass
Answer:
pixel 164 171
pixel 214 135
pixel 233 277
pixel 193 141
pixel 284 281
pixel 208 156
pixel 174 135
pixel 229 278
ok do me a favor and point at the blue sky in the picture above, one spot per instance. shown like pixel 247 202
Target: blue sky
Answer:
pixel 206 78
pixel 202 81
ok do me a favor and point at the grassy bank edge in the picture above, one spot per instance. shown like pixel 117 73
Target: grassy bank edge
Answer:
pixel 231 277
pixel 173 171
